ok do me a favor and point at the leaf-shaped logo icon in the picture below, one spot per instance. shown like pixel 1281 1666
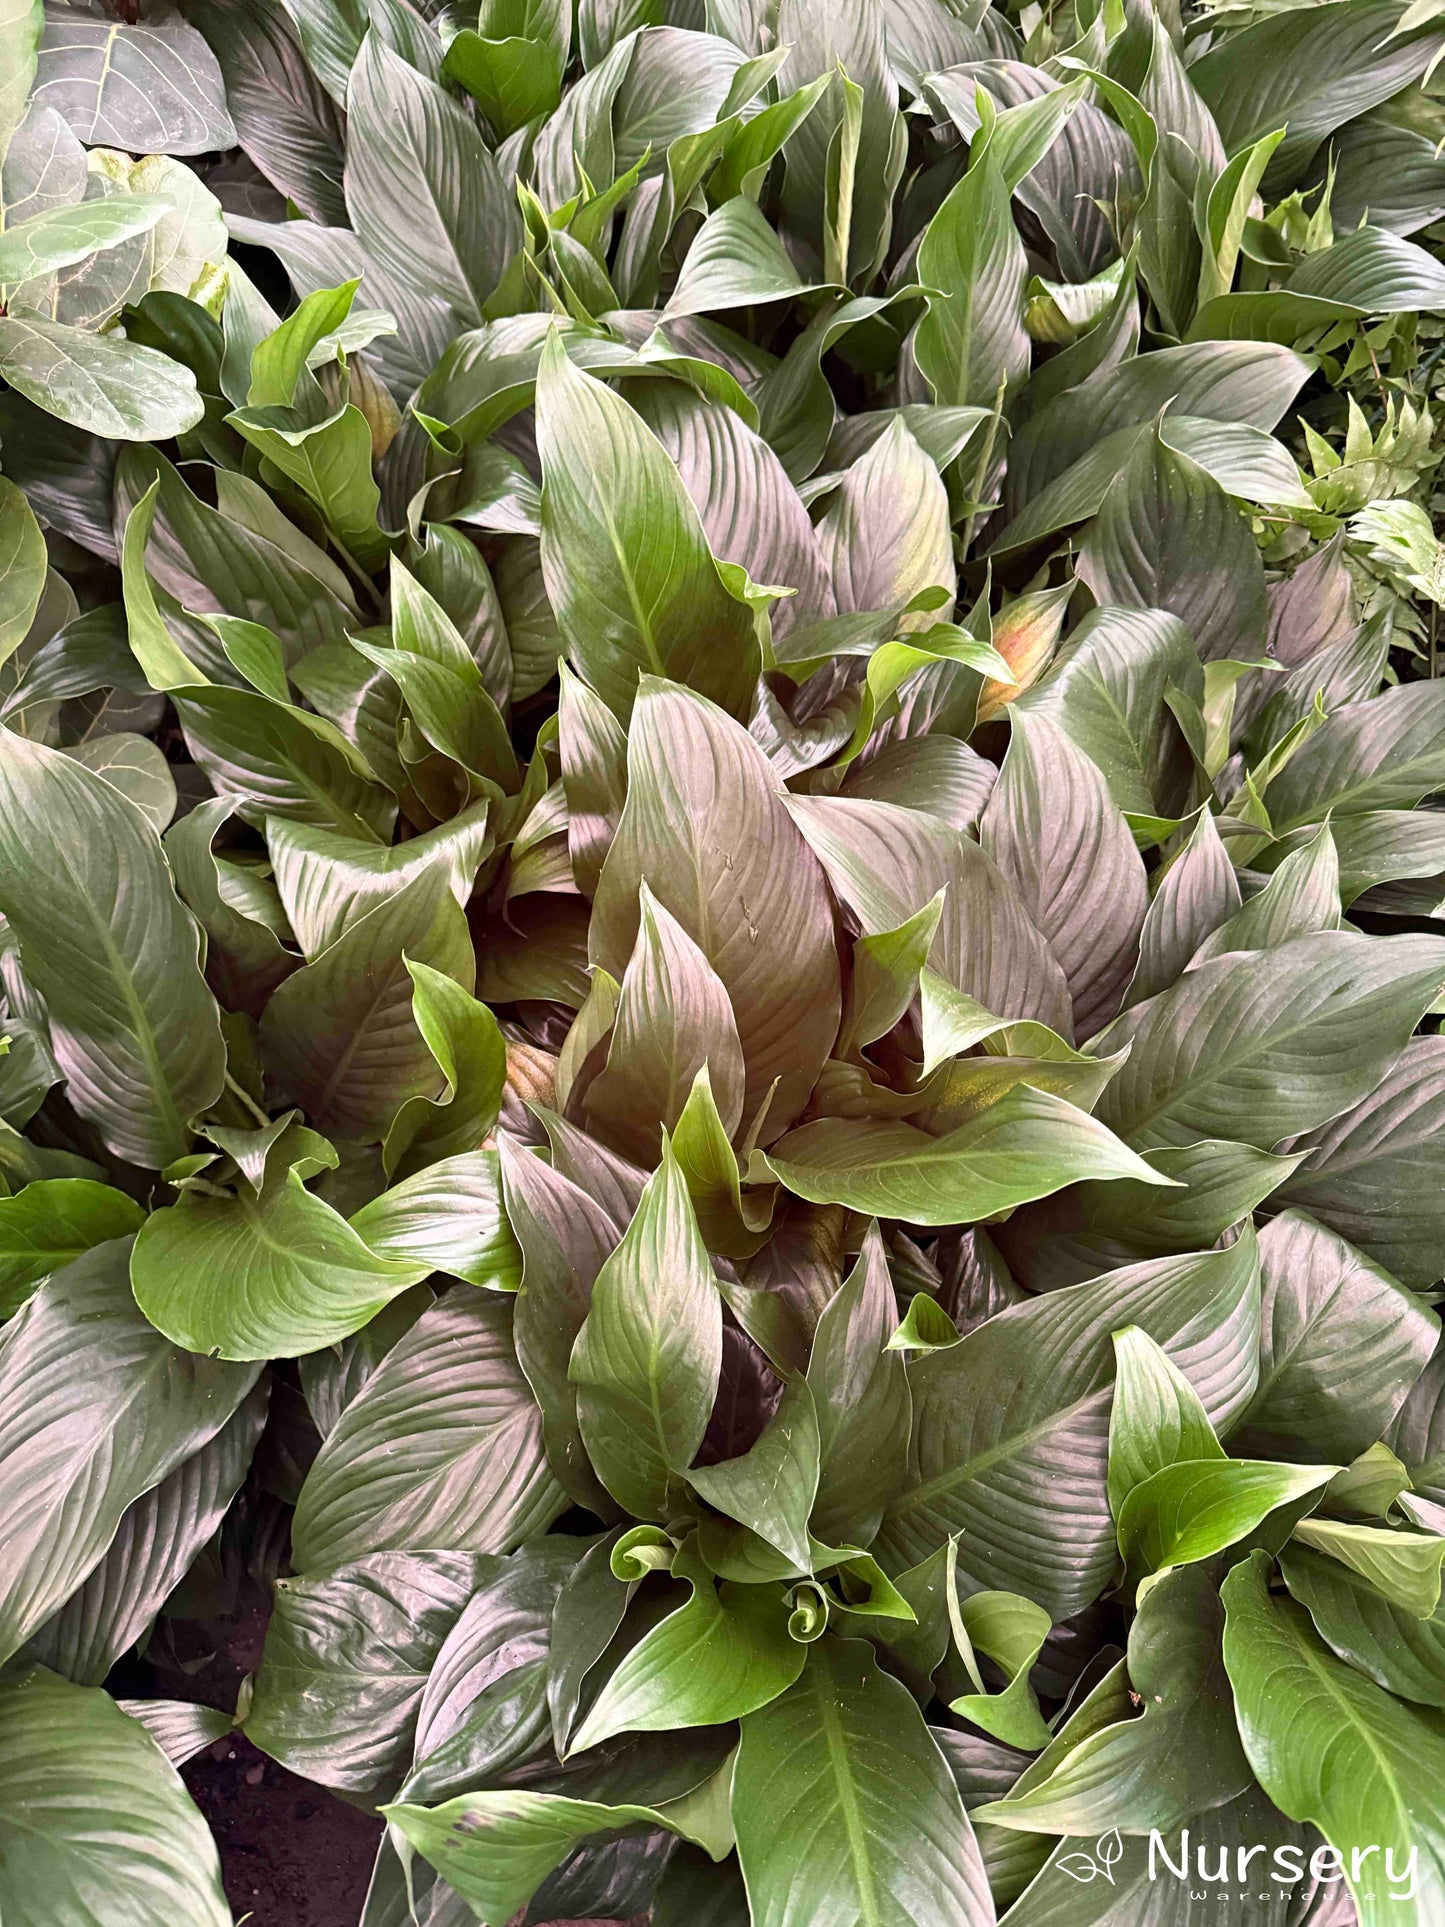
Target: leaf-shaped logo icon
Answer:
pixel 1080 1866
pixel 1109 1849
pixel 1099 1865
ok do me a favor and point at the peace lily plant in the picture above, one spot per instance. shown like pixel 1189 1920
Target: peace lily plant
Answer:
pixel 721 897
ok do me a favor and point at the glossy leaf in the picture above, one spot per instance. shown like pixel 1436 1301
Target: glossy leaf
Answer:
pixel 98 1408
pixel 647 1357
pixel 995 1441
pixel 441 1447
pixel 108 945
pixel 1357 1763
pixel 93 1817
pixel 887 1838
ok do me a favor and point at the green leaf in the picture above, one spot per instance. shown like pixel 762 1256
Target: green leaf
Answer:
pixel 1302 896
pixel 1245 462
pixel 21 25
pixel 1373 270
pixel 885 862
pixel 1191 1510
pixel 1192 897
pixel 98 383
pixel 1055 831
pixel 673 1021
pixel 856 190
pixel 328 881
pixel 463 1037
pixel 64 235
pixel 1315 70
pixel 1234 1051
pixel 339 1036
pixel 1228 210
pixel 1162 517
pixel 719 1657
pixel 863 1402
pixel 108 946
pixel 755 143
pixel 1393 1646
pixel 735 261
pixel 97 1408
pixel 1010 1450
pixel 180 1728
pixel 1157 1418
pixel 145 87
pixel 1024 1146
pixel 441 1447
pixel 447 1217
pixel 647 1358
pixel 845 1809
pixel 282 358
pixel 1324 1301
pixel 279 104
pixel 137 768
pixel 49 1223
pixel 423 191
pixel 1180 1755
pixel 1011 1632
pixel 1381 755
pixel 1328 1746
pixel 772 1486
pixel 1373 1174
pixel 565 1236
pixel 1114 1223
pixel 160 1536
pixel 23 564
pixel 1106 691
pixel 512 80
pixel 261 1275
pixel 502 1639
pixel 330 461
pixel 627 566
pixel 496 1848
pixel 971 345
pixel 707 824
pixel 94 1821
pixel 346 1662
pixel 751 513
pixel 926 1327
pixel 1403 1567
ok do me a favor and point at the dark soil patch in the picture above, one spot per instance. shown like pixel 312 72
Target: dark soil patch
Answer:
pixel 292 1854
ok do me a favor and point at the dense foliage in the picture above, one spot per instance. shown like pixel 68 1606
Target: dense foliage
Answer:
pixel 719 952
